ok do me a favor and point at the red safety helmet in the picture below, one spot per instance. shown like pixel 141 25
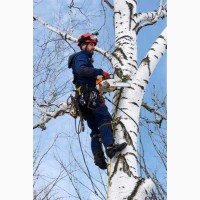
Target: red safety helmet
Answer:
pixel 87 38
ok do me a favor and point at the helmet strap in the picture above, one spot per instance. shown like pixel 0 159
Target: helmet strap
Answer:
pixel 86 46
pixel 81 46
pixel 86 43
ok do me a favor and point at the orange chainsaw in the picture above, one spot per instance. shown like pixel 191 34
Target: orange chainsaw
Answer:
pixel 109 85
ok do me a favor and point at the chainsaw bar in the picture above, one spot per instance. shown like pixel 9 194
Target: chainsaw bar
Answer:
pixel 109 85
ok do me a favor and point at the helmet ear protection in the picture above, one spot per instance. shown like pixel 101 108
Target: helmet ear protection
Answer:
pixel 87 38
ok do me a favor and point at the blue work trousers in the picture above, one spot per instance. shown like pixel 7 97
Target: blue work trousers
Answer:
pixel 99 121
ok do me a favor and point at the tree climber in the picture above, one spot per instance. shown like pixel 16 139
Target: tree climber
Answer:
pixel 91 103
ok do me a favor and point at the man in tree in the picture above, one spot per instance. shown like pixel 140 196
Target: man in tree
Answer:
pixel 91 103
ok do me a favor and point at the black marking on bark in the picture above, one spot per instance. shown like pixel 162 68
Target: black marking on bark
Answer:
pixel 135 61
pixel 126 77
pixel 126 168
pixel 117 12
pixel 114 171
pixel 118 99
pixel 135 135
pixel 130 6
pixel 161 37
pixel 142 87
pixel 131 88
pixel 134 20
pixel 117 107
pixel 124 109
pixel 130 53
pixel 136 27
pixel 116 56
pixel 115 95
pixel 118 72
pixel 128 153
pixel 156 56
pixel 135 2
pixel 146 81
pixel 132 65
pixel 126 134
pixel 125 37
pixel 135 190
pixel 152 49
pixel 122 52
pixel 134 103
pixel 125 43
pixel 147 61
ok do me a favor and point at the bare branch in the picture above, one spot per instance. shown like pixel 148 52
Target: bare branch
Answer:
pixel 152 110
pixel 47 116
pixel 109 4
pixel 51 28
pixel 149 18
pixel 69 37
pixel 39 163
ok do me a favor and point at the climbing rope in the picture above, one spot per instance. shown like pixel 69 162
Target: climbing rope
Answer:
pixel 90 177
pixel 121 110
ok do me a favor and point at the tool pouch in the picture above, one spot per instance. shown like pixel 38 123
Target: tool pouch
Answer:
pixel 88 97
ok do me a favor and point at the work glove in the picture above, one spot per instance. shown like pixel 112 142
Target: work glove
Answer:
pixel 106 75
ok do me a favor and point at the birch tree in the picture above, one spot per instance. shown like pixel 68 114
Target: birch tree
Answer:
pixel 124 181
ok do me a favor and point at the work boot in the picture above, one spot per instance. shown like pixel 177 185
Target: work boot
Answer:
pixel 113 149
pixel 99 160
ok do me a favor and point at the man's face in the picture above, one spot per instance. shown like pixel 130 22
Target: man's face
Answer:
pixel 90 47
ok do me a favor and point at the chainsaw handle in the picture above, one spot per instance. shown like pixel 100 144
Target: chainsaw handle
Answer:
pixel 99 80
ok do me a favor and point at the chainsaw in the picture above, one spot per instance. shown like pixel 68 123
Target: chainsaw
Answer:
pixel 109 85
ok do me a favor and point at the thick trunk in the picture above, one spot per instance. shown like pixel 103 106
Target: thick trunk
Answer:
pixel 123 177
pixel 124 182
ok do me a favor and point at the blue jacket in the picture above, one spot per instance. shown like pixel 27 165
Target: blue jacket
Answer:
pixel 83 69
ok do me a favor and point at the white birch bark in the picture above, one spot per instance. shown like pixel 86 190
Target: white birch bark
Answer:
pixel 124 182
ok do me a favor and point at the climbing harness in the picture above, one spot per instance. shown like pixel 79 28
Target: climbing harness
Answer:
pixel 92 101
pixel 85 96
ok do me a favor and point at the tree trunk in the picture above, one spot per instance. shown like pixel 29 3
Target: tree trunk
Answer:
pixel 124 182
